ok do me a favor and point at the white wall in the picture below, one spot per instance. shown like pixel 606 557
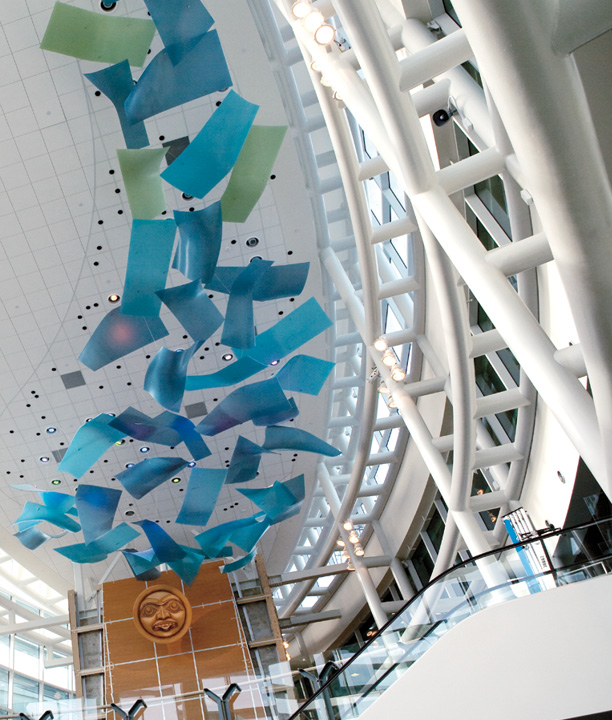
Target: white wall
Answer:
pixel 544 656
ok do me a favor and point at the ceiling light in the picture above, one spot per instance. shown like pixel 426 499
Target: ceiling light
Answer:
pixel 44 459
pixel 56 482
pixel 88 419
pixel 113 298
pixel 108 6
pixel 274 362
pixel 288 656
pixel 227 357
pixel 324 34
pixel 348 525
pixel 144 449
pixel 129 465
pixel 380 344
pixel 252 242
pixel 337 96
pixel 325 82
pixel 120 442
pixel 313 20
pixel 176 480
pixel 383 389
pixel 391 404
pixel 360 552
pixel 51 430
pixel 315 67
pixel 353 539
pixel 191 464
pixel 300 9
pixel 398 374
pixel 340 542
pixel 285 644
pixel 389 358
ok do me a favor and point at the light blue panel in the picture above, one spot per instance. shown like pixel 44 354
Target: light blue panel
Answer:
pixel 200 234
pixel 306 374
pixel 88 445
pixel 213 541
pixel 151 244
pixel 282 281
pixel 297 488
pixel 141 427
pixel 57 501
pixel 164 547
pixel 192 307
pixel 187 434
pixel 293 331
pixel 32 537
pixel 200 69
pixel 273 500
pixel 166 375
pixel 201 496
pixel 245 461
pixel 118 335
pixel 237 564
pixel 187 568
pixel 248 536
pixel 180 20
pixel 278 415
pixel 245 403
pixel 288 438
pixel 96 507
pixel 223 278
pixel 116 83
pixel 230 375
pixel 101 548
pixel 141 562
pixel 33 513
pixel 145 476
pixel 239 327
pixel 214 150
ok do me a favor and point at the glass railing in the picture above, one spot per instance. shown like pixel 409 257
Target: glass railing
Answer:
pixel 541 563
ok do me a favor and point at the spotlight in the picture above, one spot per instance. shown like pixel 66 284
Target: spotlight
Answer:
pixel 144 449
pixel 391 404
pixel 383 389
pixel 398 374
pixel 442 116
pixel 56 482
pixel 176 480
pixel 51 430
pixel 227 357
pixel 191 464
pixel 353 539
pixel 325 82
pixel 340 542
pixel 129 465
pixel 313 20
pixel 389 358
pixel 120 442
pixel 44 459
pixel 359 551
pixel 324 34
pixel 114 298
pixel 314 66
pixel 348 525
pixel 300 9
pixel 380 344
pixel 252 242
pixel 108 6
pixel 274 362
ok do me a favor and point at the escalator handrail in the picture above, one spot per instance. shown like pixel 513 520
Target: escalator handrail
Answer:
pixel 470 561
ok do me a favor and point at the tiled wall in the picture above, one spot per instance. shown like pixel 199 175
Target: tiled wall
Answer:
pixel 212 654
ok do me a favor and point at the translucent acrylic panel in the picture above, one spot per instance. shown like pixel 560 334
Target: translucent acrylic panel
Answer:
pixel 25 692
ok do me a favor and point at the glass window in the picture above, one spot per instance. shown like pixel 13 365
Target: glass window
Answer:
pixel 25 691
pixel 435 530
pixel 493 196
pixel 450 10
pixel 5 651
pixel 422 563
pixel 4 683
pixel 27 655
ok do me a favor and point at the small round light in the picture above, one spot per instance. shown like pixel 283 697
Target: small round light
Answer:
pixel 383 389
pixel 129 465
pixel 191 464
pixel 44 459
pixel 285 644
pixel 391 404
pixel 389 358
pixel 360 552
pixel 325 82
pixel 324 34
pixel 340 542
pixel 89 419
pixel 227 357
pixel 348 525
pixel 288 656
pixel 252 242
pixel 353 539
pixel 120 442
pixel 56 482
pixel 144 449
pixel 108 6
pixel 129 513
pixel 176 480
pixel 300 9
pixel 51 430
pixel 398 374
pixel 315 67
pixel 313 20
pixel 274 362
pixel 114 298
pixel 380 344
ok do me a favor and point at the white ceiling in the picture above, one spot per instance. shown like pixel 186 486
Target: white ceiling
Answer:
pixel 64 235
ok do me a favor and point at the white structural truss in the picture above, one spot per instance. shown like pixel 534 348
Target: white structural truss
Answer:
pixel 398 235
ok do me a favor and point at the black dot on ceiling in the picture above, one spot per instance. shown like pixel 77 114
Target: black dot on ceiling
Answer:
pixel 181 490
pixel 84 327
pixel 201 357
pixel 217 344
pixel 53 369
pixel 43 417
pixel 96 304
pixel 91 472
pixel 37 434
pixel 280 312
pixel 191 209
pixel 147 357
pixel 100 387
pixel 167 521
pixel 96 264
pixel 234 242
pixel 218 103
pixel 149 51
pixel 111 172
pixel 28 405
pixel 289 252
pixel 119 212
pixel 117 190
pixel 292 459
pixel 61 444
pixel 162 137
pixel 99 247
pixel 97 93
pixel 105 461
pixel 272 177
pixel 291 420
pixel 11 431
pixel 79 317
pixel 227 448
pixel 206 349
pixel 165 212
pixel 33 392
pixel 131 439
pixel 118 367
pixel 36 396
pixel 291 299
pixel 100 222
pixel 128 383
pixel 185 337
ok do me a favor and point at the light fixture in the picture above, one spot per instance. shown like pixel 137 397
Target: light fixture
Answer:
pixel 300 9
pixel 347 525
pixel 380 344
pixel 51 430
pixel 120 442
pixel 129 465
pixel 176 480
pixel 113 298
pixel 353 539
pixel 359 551
pixel 44 459
pixel 144 449
pixel 274 362
pixel 389 358
pixel 89 419
pixel 313 20
pixel 325 82
pixel 191 464
pixel 324 34
pixel 315 67
pixel 288 656
pixel 227 357
pixel 340 542
pixel 56 482
pixel 337 97
pixel 383 389
pixel 391 404
pixel 398 374
pixel 285 644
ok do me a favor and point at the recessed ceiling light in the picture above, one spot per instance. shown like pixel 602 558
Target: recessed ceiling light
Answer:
pixel 44 459
pixel 129 513
pixel 120 442
pixel 227 357
pixel 191 464
pixel 176 480
pixel 252 242
pixel 114 298
pixel 108 6
pixel 129 465
pixel 144 449
pixel 56 482
pixel 51 430
pixel 88 419
pixel 274 362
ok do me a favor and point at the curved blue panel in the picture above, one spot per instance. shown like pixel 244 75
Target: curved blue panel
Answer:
pixel 177 75
pixel 118 335
pixel 99 549
pixel 201 496
pixel 32 537
pixel 57 501
pixel 303 373
pixel 96 507
pixel 245 461
pixel 192 307
pixel 187 432
pixel 145 476
pixel 116 83
pixel 239 327
pixel 187 568
pixel 278 415
pixel 166 374
pixel 248 536
pixel 199 242
pixel 180 20
pixel 246 403
pixel 164 547
pixel 288 438
pixel 140 426
pixel 214 150
pixel 33 513
pixel 282 281
pixel 273 500
pixel 142 563
pixel 88 445
pixel 151 244
pixel 241 562
pixel 230 375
